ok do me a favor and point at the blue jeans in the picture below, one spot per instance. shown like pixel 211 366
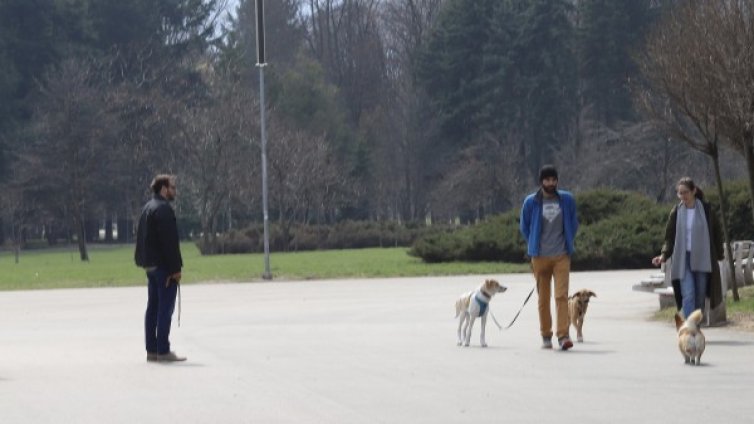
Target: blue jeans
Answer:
pixel 160 306
pixel 693 288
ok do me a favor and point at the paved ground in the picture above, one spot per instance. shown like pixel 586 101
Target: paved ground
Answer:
pixel 359 351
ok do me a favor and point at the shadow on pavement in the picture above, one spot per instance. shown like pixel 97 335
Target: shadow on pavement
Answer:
pixel 729 343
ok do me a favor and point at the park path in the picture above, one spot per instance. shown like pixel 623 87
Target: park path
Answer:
pixel 359 351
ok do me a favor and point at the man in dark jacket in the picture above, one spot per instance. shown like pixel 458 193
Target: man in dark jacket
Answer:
pixel 158 252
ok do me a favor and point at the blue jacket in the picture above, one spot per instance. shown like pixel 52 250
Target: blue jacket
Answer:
pixel 531 220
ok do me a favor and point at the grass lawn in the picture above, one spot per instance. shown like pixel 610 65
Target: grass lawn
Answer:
pixel 113 266
pixel 740 314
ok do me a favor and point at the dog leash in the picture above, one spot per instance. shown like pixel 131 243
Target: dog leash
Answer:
pixel 499 327
pixel 517 313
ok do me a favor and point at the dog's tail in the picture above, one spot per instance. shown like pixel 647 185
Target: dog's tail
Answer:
pixel 459 306
pixel 694 319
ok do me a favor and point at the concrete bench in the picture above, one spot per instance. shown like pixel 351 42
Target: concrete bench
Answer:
pixel 650 284
pixel 743 260
pixel 666 296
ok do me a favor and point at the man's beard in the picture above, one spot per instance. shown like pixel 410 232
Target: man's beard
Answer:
pixel 550 189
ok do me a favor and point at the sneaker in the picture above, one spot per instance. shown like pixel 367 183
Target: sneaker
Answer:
pixel 565 343
pixel 167 357
pixel 152 356
pixel 546 343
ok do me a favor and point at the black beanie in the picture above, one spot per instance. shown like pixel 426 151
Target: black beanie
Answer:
pixel 548 171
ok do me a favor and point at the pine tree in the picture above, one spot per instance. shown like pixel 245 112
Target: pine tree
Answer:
pixel 609 32
pixel 545 78
pixel 451 64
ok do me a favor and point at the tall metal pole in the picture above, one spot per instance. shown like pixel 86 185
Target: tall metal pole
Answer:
pixel 267 275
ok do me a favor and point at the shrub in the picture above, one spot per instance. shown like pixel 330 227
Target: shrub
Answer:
pixel 739 205
pixel 621 241
pixel 344 235
pixel 617 230
pixel 442 246
pixel 497 238
pixel 597 205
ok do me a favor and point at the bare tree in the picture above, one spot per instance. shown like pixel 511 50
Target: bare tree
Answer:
pixel 213 148
pixel 409 128
pixel 632 156
pixel 685 85
pixel 729 25
pixel 70 155
pixel 304 178
pixel 344 37
pixel 484 180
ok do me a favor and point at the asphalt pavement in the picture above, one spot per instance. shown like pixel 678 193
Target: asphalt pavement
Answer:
pixel 360 351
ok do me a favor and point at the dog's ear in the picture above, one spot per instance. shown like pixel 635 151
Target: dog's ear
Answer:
pixel 678 321
pixel 592 294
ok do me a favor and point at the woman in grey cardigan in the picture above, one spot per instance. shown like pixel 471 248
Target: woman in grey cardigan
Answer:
pixel 692 240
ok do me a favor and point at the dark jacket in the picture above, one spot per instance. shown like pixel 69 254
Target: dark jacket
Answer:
pixel 715 287
pixel 157 237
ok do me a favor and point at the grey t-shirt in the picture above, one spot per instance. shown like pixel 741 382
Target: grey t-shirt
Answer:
pixel 552 240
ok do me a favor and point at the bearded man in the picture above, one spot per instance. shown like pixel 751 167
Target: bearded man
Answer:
pixel 549 225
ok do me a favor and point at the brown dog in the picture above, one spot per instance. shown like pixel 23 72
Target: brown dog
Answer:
pixel 577 304
pixel 691 340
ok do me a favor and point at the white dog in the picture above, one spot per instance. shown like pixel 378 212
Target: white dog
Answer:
pixel 475 304
pixel 691 340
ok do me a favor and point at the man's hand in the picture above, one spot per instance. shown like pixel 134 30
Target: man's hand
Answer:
pixel 658 260
pixel 175 277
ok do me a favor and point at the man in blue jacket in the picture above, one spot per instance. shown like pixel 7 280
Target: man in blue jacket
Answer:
pixel 549 225
pixel 159 253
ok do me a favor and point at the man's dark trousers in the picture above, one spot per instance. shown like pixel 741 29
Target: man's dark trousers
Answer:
pixel 160 306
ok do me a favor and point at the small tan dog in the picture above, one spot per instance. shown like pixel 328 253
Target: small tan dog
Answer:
pixel 473 305
pixel 577 304
pixel 691 340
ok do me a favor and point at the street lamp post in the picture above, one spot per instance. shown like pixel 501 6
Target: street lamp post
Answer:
pixel 267 275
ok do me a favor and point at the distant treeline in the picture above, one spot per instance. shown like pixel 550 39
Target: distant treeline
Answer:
pixel 378 110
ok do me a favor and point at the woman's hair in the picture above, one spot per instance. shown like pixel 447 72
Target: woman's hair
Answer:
pixel 689 184
pixel 160 181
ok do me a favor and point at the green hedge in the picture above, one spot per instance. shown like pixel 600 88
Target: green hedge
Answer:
pixel 496 238
pixel 739 205
pixel 617 230
pixel 621 241
pixel 344 235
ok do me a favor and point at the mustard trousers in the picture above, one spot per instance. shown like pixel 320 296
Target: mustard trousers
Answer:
pixel 545 269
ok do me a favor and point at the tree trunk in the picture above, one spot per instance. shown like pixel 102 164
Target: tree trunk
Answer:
pixel 208 246
pixel 123 230
pixel 81 231
pixel 749 156
pixel 15 234
pixel 726 232
pixel 108 230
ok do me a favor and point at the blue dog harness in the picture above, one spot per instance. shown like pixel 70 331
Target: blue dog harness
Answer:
pixel 483 302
